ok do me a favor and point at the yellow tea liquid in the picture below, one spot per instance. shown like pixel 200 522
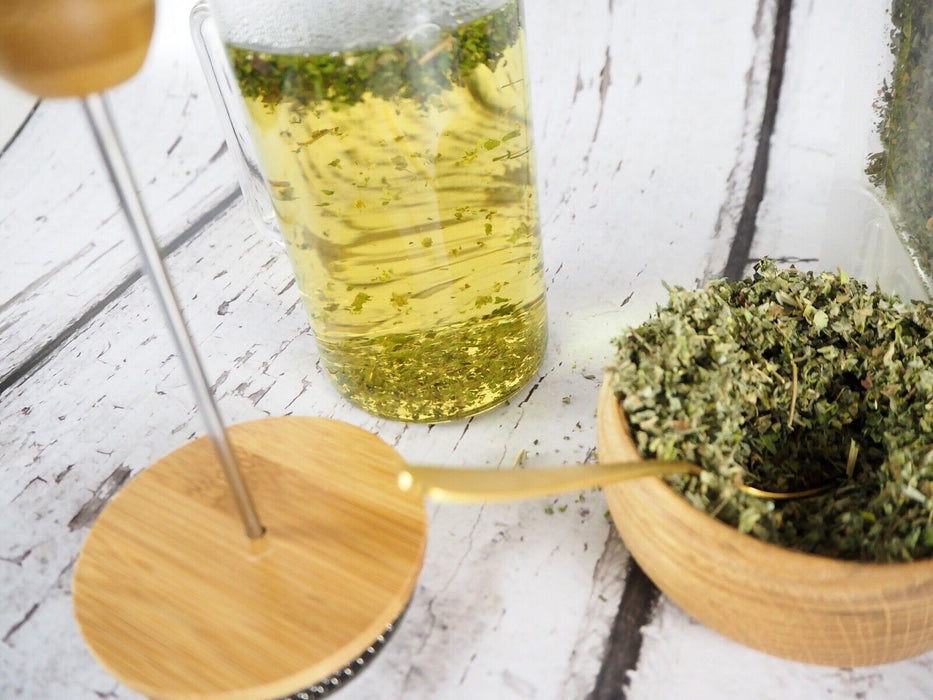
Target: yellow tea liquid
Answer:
pixel 408 211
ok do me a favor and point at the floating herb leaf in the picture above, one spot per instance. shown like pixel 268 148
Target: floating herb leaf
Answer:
pixel 406 70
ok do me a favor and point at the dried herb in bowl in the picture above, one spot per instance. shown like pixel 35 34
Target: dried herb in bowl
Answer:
pixel 785 380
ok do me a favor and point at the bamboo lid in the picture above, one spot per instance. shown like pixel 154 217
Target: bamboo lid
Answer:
pixel 175 600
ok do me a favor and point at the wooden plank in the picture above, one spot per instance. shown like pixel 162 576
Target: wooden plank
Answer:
pixel 754 189
pixel 708 666
pixel 59 222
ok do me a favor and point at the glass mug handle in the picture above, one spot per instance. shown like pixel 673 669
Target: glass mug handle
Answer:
pixel 222 86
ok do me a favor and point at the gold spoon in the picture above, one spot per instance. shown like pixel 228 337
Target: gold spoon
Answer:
pixel 475 484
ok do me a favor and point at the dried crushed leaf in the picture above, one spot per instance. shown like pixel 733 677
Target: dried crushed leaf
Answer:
pixel 787 380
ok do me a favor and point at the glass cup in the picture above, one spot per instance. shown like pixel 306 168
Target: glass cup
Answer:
pixel 390 143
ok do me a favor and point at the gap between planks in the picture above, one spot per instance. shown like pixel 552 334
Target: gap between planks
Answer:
pixel 35 360
pixel 640 595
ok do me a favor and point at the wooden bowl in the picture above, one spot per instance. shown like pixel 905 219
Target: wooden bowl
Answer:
pixel 789 604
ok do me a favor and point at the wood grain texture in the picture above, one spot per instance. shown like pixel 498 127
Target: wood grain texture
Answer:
pixel 60 224
pixel 789 604
pixel 177 602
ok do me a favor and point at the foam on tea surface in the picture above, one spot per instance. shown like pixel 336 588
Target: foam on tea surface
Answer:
pixel 300 26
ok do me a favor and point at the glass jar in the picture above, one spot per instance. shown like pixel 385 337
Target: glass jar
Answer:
pixel 844 182
pixel 393 141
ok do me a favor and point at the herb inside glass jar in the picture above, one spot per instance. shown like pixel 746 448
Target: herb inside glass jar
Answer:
pixel 904 166
pixel 402 178
pixel 786 380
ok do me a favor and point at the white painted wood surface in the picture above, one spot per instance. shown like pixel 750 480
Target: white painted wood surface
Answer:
pixel 17 106
pixel 646 118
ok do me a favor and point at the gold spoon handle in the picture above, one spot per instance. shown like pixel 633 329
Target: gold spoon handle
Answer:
pixel 470 484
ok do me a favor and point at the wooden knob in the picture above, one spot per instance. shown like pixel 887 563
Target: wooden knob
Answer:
pixel 71 48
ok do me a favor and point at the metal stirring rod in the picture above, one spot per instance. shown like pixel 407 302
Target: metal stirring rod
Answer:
pixel 99 116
